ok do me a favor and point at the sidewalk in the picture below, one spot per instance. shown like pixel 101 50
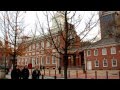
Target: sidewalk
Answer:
pixel 78 74
pixel 30 77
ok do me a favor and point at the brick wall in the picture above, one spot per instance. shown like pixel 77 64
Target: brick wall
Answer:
pixel 100 57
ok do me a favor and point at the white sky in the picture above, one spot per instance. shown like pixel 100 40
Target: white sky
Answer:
pixel 30 19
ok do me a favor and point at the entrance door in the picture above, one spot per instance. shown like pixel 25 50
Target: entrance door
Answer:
pixel 89 65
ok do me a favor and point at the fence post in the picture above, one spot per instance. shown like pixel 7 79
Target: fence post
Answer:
pixel 85 74
pixel 62 74
pixel 77 73
pixel 69 74
pixel 49 72
pixel 107 74
pixel 44 71
pixel 119 74
pixel 42 76
pixel 95 74
pixel 55 74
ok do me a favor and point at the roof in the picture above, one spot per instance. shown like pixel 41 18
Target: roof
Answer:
pixel 104 42
pixel 107 41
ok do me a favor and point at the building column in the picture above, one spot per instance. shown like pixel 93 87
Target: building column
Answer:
pixel 79 60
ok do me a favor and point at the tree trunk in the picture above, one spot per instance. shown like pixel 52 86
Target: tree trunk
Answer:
pixel 14 61
pixel 65 66
pixel 66 47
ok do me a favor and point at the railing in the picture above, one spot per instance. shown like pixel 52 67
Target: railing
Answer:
pixel 79 74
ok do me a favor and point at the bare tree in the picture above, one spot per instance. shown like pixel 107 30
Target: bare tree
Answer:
pixel 65 31
pixel 13 29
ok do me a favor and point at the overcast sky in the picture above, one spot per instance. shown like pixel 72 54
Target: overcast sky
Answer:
pixel 30 19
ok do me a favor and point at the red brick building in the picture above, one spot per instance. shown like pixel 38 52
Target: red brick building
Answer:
pixel 42 52
pixel 105 53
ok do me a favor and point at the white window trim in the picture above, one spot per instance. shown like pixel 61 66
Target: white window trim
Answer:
pixel 30 48
pixel 95 63
pixel 97 52
pixel 26 61
pixel 33 61
pixel 103 63
pixel 42 45
pixel 53 60
pixel 42 60
pixel 104 53
pixel 22 61
pixel 47 60
pixel 37 60
pixel 112 63
pixel 87 52
pixel 37 46
pixel 26 54
pixel 47 44
pixel 33 53
pixel 33 46
pixel 113 48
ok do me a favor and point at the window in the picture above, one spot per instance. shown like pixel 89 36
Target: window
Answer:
pixel 53 59
pixel 33 53
pixel 88 52
pixel 42 45
pixel 30 54
pixel 104 51
pixel 42 52
pixel 33 62
pixel 23 59
pixel 33 46
pixel 27 48
pixel 30 48
pixel 26 54
pixel 26 61
pixel 47 44
pixel 55 40
pixel 37 59
pixel 48 60
pixel 18 61
pixel 114 63
pixel 113 50
pixel 96 52
pixel 37 45
pixel 105 63
pixel 42 60
pixel 96 63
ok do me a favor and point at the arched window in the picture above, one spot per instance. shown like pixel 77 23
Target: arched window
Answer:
pixel 88 52
pixel 114 62
pixel 48 60
pixel 42 60
pixel 96 52
pixel 96 63
pixel 47 44
pixel 105 63
pixel 42 45
pixel 53 59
